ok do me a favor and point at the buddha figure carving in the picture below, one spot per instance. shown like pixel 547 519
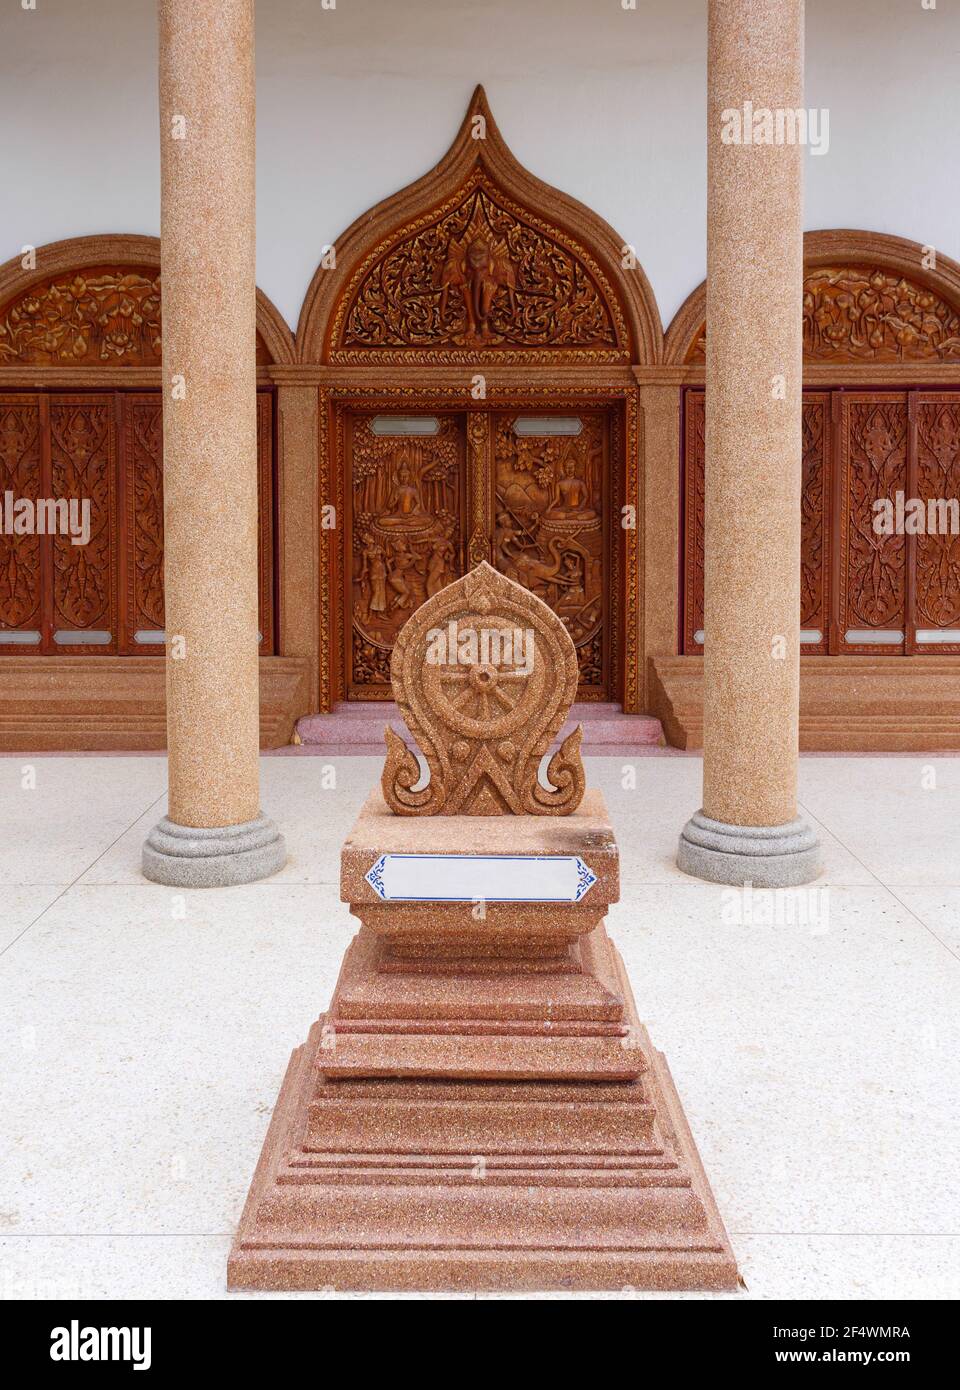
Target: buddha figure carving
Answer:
pixel 405 518
pixel 405 507
pixel 571 495
pixel 549 527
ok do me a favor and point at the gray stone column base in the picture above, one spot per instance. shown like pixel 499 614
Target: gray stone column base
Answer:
pixel 768 856
pixel 186 856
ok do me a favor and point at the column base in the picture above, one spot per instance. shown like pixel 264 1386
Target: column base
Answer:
pixel 186 856
pixel 768 856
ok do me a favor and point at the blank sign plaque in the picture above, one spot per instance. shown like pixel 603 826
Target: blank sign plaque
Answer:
pixel 492 878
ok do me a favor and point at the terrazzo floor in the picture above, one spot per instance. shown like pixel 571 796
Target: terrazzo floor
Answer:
pixel 145 1030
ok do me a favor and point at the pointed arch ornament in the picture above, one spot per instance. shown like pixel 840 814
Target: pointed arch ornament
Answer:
pixel 480 262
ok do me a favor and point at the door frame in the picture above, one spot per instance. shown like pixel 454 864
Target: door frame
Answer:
pixel 623 548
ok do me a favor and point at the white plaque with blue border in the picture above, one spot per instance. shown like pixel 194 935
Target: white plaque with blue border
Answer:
pixel 492 878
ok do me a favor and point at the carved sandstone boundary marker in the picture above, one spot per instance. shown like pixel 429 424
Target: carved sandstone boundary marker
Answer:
pixel 480 1107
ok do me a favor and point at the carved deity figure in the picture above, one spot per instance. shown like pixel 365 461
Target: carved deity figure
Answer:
pixel 400 575
pixel 439 566
pixel 373 576
pixel 478 265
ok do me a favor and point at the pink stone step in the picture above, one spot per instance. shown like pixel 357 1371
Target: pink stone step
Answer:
pixel 357 728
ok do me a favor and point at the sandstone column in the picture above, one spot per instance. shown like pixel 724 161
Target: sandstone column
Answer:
pixel 214 832
pixel 748 828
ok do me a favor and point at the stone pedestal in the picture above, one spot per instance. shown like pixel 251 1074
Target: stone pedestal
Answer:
pixel 481 1107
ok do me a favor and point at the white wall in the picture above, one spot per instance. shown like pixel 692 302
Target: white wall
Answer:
pixel 355 102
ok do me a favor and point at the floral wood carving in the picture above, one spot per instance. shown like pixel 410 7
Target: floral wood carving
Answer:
pixel 20 449
pixel 814 508
pixel 866 314
pixel 814 505
pixel 106 316
pixel 938 477
pixel 479 273
pixel 484 674
pixel 874 449
pixel 83 465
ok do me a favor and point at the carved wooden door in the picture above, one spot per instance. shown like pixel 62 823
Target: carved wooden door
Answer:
pixel 815 570
pixel 406 532
pixel 101 451
pixel 934 605
pixel 432 495
pixel 874 579
pixel 550 532
pixel 872 565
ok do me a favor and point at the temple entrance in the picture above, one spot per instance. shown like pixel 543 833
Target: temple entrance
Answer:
pixel 431 495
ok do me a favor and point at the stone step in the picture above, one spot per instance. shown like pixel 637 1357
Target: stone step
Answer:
pixel 355 728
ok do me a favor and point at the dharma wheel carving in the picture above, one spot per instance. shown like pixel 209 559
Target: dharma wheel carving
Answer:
pixel 484 674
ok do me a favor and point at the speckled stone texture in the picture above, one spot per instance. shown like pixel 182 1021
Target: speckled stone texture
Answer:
pixel 207 144
pixel 480 1107
pixel 751 661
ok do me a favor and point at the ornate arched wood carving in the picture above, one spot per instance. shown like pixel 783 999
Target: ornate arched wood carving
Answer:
pixel 95 301
pixel 868 298
pixel 479 261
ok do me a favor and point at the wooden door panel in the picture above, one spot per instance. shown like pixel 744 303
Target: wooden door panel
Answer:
pixel 937 547
pixel 406 534
pixel 21 583
pixel 265 520
pixel 551 506
pixel 83 470
pixel 141 467
pixel 815 497
pixel 105 448
pixel 694 453
pixel 873 441
pixel 141 449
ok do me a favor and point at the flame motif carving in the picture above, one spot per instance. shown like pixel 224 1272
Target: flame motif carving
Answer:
pixel 20 587
pixel 483 725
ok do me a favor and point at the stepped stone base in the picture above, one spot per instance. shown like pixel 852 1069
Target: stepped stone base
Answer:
pixel 482 1185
